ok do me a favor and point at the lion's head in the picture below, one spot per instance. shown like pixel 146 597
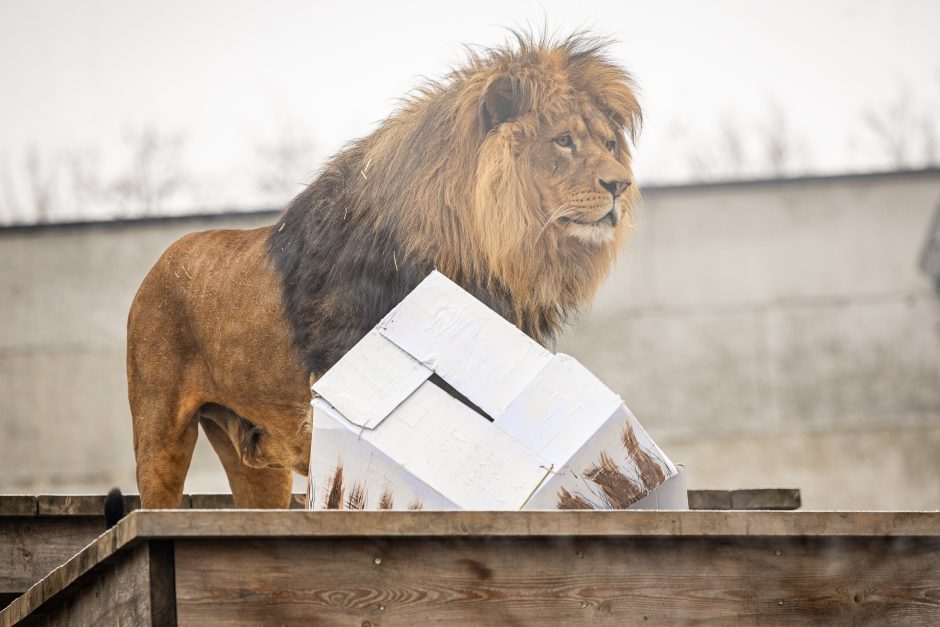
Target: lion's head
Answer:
pixel 512 176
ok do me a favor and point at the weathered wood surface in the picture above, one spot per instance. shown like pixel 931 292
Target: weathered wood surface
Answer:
pixel 12 505
pixel 771 498
pixel 531 567
pixel 559 581
pixel 258 523
pixel 31 546
pixel 887 560
pixel 18 505
pixel 60 525
pixel 93 504
pixel 112 594
pixel 40 533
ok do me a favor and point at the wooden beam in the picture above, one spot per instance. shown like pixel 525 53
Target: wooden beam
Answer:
pixel 253 567
pixel 93 504
pixel 284 523
pixel 558 581
pixel 31 547
pixel 767 498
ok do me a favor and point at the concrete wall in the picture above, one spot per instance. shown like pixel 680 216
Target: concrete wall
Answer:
pixel 782 335
pixel 63 389
pixel 769 334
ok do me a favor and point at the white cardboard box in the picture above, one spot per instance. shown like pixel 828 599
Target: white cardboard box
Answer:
pixel 387 436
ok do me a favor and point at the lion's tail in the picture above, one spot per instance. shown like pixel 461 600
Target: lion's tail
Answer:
pixel 113 507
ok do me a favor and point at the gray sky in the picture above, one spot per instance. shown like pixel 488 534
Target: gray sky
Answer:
pixel 81 80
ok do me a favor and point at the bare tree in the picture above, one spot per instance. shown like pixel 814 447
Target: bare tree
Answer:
pixel 11 202
pixel 83 171
pixel 903 133
pixel 778 144
pixel 41 180
pixel 732 160
pixel 720 156
pixel 154 172
pixel 285 163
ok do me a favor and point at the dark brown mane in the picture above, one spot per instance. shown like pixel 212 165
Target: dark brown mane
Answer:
pixel 436 187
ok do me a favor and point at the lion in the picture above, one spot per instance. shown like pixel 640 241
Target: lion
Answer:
pixel 511 176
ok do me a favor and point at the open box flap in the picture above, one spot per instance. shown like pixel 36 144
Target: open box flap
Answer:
pixel 466 343
pixel 371 380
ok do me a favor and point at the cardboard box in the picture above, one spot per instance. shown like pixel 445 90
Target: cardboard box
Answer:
pixel 446 405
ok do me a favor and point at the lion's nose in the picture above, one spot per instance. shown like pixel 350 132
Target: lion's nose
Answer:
pixel 615 187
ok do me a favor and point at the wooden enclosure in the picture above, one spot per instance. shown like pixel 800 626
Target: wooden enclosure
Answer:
pixel 244 567
pixel 40 533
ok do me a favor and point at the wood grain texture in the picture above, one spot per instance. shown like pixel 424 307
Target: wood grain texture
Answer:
pixel 709 499
pixel 756 499
pixel 225 501
pixel 17 505
pixel 31 547
pixel 778 499
pixel 283 523
pixel 894 545
pixel 114 595
pixel 73 574
pixel 559 581
pixel 162 573
pixel 93 504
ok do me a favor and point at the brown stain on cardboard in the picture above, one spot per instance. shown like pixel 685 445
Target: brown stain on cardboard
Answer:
pixel 567 501
pixel 334 495
pixel 357 497
pixel 651 472
pixel 619 489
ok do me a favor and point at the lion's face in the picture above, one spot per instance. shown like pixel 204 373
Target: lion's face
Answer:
pixel 559 134
pixel 580 168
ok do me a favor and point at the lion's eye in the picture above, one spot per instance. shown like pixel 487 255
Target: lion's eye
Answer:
pixel 564 140
pixel 611 145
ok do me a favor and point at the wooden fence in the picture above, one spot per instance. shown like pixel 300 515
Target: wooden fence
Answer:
pixel 243 567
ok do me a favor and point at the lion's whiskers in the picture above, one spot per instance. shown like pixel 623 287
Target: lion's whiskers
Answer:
pixel 558 211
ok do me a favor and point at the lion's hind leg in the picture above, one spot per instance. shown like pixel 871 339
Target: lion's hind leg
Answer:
pixel 164 449
pixel 237 442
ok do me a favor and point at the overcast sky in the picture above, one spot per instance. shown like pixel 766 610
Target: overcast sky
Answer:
pixel 219 85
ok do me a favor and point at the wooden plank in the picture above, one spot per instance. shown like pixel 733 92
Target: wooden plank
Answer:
pixel 709 499
pixel 17 505
pixel 64 580
pixel 31 547
pixel 211 501
pixel 162 583
pixel 558 581
pixel 284 523
pixel 115 594
pixel 86 504
pixel 840 542
pixel 40 533
pixel 225 501
pixel 766 498
pixel 777 499
pixel 93 504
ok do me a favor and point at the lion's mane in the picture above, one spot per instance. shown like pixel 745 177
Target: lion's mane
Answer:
pixel 433 187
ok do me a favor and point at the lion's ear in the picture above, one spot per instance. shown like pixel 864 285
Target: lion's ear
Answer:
pixel 501 102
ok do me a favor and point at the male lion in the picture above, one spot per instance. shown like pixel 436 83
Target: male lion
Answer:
pixel 512 177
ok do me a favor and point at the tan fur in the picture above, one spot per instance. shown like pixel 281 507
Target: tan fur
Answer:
pixel 468 177
pixel 495 216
